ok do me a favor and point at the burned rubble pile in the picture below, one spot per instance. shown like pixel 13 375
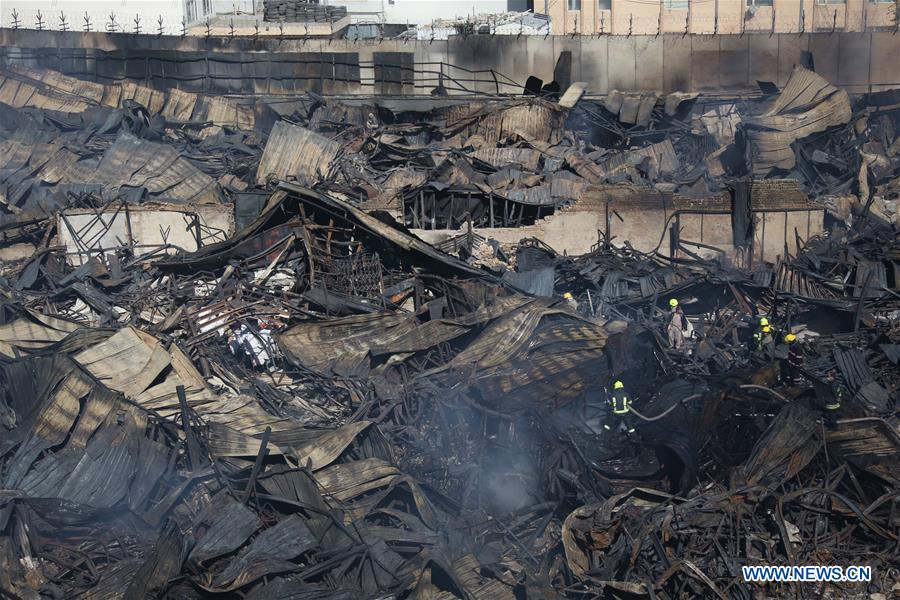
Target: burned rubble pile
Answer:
pixel 230 367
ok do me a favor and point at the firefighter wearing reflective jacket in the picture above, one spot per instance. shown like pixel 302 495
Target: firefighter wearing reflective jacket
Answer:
pixel 830 401
pixel 620 407
pixel 571 301
pixel 763 337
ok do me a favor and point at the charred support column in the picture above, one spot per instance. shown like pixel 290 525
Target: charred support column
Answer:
pixel 675 236
pixel 491 203
pixel 741 215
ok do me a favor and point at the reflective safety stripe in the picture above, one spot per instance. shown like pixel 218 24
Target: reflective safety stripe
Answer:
pixel 832 406
pixel 619 404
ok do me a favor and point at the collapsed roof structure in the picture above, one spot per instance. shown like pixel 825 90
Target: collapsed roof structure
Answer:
pixel 230 363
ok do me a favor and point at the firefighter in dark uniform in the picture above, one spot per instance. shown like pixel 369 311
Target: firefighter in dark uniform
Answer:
pixel 620 407
pixel 829 400
pixel 793 369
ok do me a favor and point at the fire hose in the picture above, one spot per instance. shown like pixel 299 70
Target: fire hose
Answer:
pixel 689 398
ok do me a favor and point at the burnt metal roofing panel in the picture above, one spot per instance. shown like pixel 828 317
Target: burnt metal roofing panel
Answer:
pixel 285 540
pixel 526 158
pixel 853 366
pixel 808 104
pixel 102 476
pixel 892 351
pixel 293 152
pixel 538 282
pixel 230 524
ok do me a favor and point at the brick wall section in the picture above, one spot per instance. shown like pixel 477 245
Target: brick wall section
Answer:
pixel 779 194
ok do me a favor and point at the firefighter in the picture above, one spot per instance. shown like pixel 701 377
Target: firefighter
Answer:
pixel 763 337
pixel 675 327
pixel 571 301
pixel 620 406
pixel 829 402
pixel 793 370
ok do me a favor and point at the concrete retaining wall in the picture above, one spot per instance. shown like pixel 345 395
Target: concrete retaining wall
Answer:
pixel 860 62
pixel 646 229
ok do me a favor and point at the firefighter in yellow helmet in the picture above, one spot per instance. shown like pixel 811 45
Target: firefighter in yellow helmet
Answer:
pixel 676 325
pixel 764 338
pixel 793 366
pixel 620 409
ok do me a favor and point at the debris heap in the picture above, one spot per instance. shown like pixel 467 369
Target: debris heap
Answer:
pixel 228 366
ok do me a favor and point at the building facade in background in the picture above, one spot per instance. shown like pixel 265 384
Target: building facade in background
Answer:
pixel 242 17
pixel 423 12
pixel 568 17
pixel 643 17
pixel 130 16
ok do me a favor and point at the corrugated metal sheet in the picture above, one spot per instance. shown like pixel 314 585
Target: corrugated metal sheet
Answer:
pixel 179 105
pixel 632 108
pixel 151 99
pixel 344 346
pixel 221 111
pixel 535 121
pixel 295 153
pixel 526 158
pixel 230 524
pixel 808 104
pixel 721 121
pixel 523 357
pixel 18 94
pixel 872 274
pixel 871 444
pixel 125 362
pixel 130 162
pixel 37 331
pixel 567 188
pixel 346 481
pixel 661 154
pixel 539 194
pixel 285 540
pixel 134 162
pixel 53 79
pixel 892 351
pixel 853 366
pixel 51 90
pixel 389 195
pixel 53 423
pixel 538 281
pixel 104 473
pixel 327 446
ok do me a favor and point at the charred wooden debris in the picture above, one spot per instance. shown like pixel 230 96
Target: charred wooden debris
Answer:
pixel 230 368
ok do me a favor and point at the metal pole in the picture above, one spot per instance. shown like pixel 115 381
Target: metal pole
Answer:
pixel 193 448
pixel 257 464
